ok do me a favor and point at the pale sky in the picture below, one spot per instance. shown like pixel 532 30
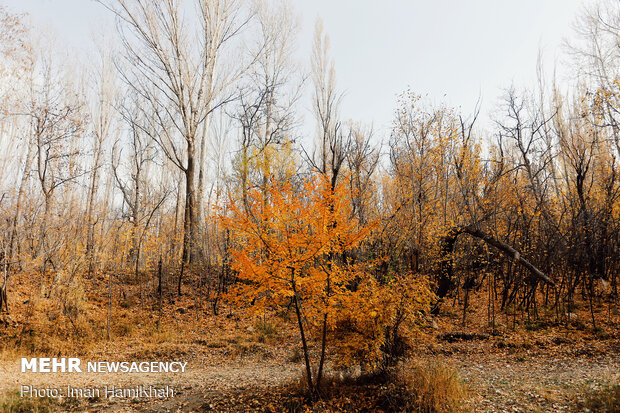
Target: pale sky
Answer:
pixel 453 50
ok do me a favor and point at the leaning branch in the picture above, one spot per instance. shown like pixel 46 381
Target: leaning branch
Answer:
pixel 508 250
pixel 446 273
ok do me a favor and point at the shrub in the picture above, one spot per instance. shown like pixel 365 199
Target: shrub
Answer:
pixel 378 324
pixel 69 290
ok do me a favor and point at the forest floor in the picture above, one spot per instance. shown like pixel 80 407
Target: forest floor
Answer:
pixel 237 364
pixel 536 378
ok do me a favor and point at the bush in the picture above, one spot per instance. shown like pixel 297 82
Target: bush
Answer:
pixel 378 324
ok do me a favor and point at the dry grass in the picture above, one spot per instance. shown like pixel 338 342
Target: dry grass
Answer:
pixel 603 400
pixel 12 402
pixel 266 331
pixel 427 387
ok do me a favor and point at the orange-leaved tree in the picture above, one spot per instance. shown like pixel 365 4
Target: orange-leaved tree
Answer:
pixel 289 248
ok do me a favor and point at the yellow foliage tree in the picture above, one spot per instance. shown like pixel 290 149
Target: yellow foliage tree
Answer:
pixel 299 248
pixel 285 252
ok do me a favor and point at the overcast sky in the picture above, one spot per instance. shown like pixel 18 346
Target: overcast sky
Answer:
pixel 452 50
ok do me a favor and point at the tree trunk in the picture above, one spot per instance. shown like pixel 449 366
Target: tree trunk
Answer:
pixel 90 237
pixel 302 333
pixel 202 180
pixel 18 206
pixel 43 226
pixel 190 211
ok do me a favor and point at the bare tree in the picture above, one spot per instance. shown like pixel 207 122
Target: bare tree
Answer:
pixel 172 65
pixel 102 117
pixel 56 119
pixel 332 146
pixel 332 141
pixel 16 67
pixel 597 54
pixel 362 162
pixel 270 90
pixel 139 155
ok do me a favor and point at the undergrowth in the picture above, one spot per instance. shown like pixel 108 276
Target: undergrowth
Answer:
pixel 425 387
pixel 12 402
pixel 603 400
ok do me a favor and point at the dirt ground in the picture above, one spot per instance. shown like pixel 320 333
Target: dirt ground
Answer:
pixel 532 366
pixel 502 375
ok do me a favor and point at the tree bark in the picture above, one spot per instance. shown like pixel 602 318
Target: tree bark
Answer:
pixel 190 210
pixel 92 192
pixel 18 206
pixel 302 332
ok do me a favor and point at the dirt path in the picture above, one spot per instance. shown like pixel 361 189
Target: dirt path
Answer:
pixel 498 382
pixel 533 384
pixel 221 377
pixel 200 379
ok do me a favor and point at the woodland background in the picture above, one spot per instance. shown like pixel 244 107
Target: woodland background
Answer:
pixel 169 174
